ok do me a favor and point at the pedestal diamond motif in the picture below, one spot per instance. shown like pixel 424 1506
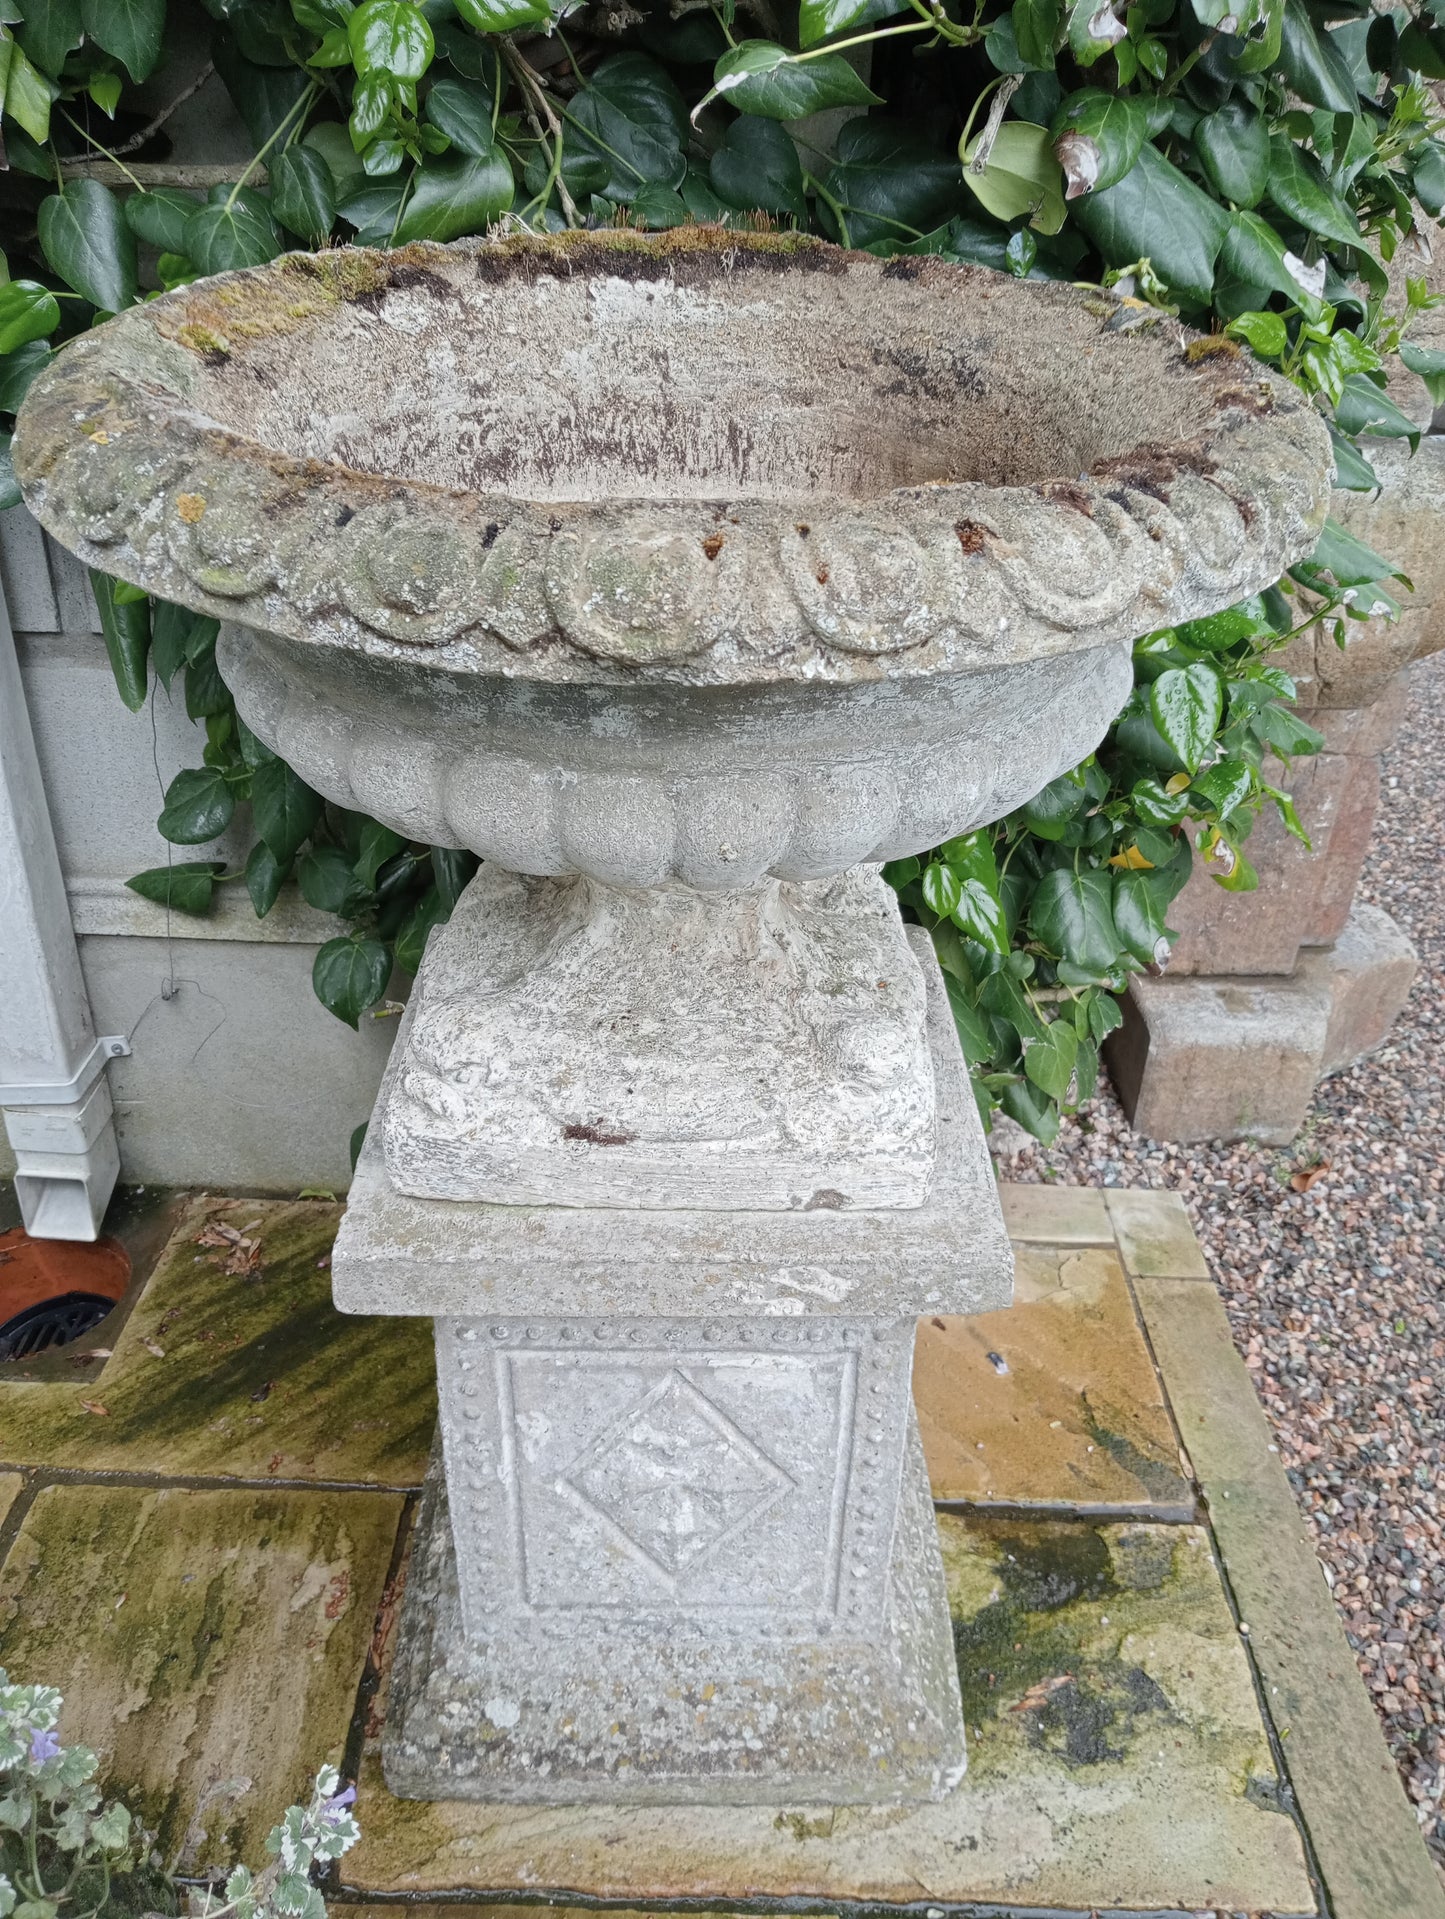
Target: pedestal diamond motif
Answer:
pixel 675 1476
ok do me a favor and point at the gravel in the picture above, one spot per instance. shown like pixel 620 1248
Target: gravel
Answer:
pixel 1337 1294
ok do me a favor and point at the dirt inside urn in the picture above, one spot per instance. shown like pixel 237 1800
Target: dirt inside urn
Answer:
pixel 610 368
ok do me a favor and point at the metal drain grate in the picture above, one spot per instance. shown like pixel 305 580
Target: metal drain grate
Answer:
pixel 52 1322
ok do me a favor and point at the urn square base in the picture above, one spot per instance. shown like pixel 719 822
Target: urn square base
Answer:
pixel 658 1712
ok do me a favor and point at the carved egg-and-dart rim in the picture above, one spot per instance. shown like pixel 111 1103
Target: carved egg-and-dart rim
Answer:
pixel 935 577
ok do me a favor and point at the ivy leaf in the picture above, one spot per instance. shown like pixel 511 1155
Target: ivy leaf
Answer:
pixel 639 120
pixel 374 213
pixel 349 975
pixel 51 30
pixel 757 76
pixel 942 889
pixel 455 195
pixel 1022 176
pixel 430 910
pixel 284 808
pixel 159 215
pixel 1224 786
pixel 820 19
pixel 17 371
pixel 206 692
pixel 1300 190
pixel 1049 1062
pixel 265 876
pixel 28 97
pixel 390 36
pixel 1035 29
pixel 325 877
pixel 378 845
pixel 127 629
pixel 1094 30
pixel 1185 704
pixel 503 16
pixel 464 114
pixel 1072 914
pixel 186 887
pixel 1353 471
pixel 888 177
pixel 1427 177
pixel 1364 407
pixel 1098 137
pixel 1254 253
pixel 28 311
pixel 266 97
pixel 1049 814
pixel 199 805
pixel 1141 900
pixel 1429 364
pixel 1155 213
pixel 303 195
pixel 757 165
pixel 235 230
pixel 1032 1109
pixel 84 237
pixel 1312 63
pixel 130 29
pixel 178 635
pixel 1232 148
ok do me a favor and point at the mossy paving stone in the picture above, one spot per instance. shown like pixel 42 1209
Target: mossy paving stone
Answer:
pixel 209 1644
pixel 250 1375
pixel 1077 1416
pixel 1118 1759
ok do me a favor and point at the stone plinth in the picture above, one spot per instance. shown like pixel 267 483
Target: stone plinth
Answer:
pixel 1238 1057
pixel 686 1555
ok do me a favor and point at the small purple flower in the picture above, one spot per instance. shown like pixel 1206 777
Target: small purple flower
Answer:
pixel 333 1807
pixel 43 1746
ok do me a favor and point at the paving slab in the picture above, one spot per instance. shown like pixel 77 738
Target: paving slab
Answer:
pixel 1154 1235
pixel 1054 1402
pixel 1368 1845
pixel 11 1486
pixel 247 1374
pixel 209 1644
pixel 1056 1215
pixel 1118 1759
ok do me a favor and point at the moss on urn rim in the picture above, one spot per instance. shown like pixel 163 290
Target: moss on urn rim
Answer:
pixel 702 455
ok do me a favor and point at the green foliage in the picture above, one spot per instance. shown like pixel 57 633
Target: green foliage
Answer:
pixel 66 1853
pixel 1250 167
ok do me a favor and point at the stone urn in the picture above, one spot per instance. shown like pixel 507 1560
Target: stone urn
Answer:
pixel 685 579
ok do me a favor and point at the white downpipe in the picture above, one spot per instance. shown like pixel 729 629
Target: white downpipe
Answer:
pixel 53 1087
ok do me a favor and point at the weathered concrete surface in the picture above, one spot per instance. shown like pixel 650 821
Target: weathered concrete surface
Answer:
pixel 1361 1825
pixel 1055 1215
pixel 11 1485
pixel 456 1259
pixel 249 1375
pixel 208 1644
pixel 1117 1759
pixel 706 1696
pixel 1238 1058
pixel 593 1046
pixel 1220 1058
pixel 1054 1402
pixel 590 507
pixel 1370 970
pixel 1154 1235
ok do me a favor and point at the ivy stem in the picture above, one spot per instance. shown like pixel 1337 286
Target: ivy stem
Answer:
pixel 105 152
pixel 302 106
pixel 833 206
pixel 530 83
pixel 865 39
